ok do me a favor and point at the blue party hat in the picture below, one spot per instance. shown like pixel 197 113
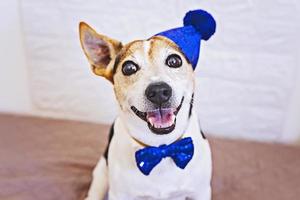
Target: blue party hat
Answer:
pixel 198 25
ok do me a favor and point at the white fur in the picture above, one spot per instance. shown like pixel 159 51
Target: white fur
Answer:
pixel 99 185
pixel 166 181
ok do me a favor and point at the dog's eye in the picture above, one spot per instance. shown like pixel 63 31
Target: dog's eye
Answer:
pixel 129 68
pixel 174 61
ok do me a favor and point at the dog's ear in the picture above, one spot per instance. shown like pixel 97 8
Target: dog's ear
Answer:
pixel 99 49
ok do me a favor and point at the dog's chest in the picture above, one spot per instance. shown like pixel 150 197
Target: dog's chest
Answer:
pixel 166 181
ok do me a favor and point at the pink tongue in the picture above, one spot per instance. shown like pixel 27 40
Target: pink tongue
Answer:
pixel 161 118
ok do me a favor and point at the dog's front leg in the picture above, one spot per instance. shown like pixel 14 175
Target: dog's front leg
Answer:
pixel 99 185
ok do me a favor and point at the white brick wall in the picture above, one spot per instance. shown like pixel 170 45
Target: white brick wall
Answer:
pixel 247 71
pixel 14 89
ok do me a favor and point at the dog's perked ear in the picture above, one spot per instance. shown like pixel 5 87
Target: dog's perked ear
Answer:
pixel 99 49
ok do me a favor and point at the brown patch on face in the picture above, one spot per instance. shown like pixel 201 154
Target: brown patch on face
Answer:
pixel 161 47
pixel 169 44
pixel 150 52
pixel 125 52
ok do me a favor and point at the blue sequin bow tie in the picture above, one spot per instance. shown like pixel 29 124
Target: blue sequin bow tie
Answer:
pixel 180 151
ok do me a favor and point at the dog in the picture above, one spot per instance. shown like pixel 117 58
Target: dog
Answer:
pixel 154 84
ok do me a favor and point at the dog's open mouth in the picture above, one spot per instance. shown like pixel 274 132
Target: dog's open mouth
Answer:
pixel 161 120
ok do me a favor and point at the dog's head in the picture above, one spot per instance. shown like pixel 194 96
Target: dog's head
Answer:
pixel 153 82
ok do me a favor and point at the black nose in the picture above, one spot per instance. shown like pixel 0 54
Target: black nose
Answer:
pixel 158 93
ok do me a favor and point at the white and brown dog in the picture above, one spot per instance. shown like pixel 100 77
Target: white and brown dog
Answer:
pixel 154 85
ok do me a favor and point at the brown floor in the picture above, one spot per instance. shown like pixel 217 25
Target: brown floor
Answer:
pixel 53 159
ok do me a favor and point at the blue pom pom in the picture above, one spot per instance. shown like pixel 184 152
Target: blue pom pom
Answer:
pixel 202 21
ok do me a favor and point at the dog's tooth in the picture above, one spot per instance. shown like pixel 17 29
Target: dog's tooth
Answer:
pixel 172 119
pixel 150 120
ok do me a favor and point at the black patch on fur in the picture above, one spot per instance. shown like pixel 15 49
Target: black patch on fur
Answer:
pixel 117 60
pixel 111 134
pixel 191 105
pixel 203 136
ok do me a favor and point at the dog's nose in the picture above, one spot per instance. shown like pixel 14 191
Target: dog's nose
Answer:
pixel 158 93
